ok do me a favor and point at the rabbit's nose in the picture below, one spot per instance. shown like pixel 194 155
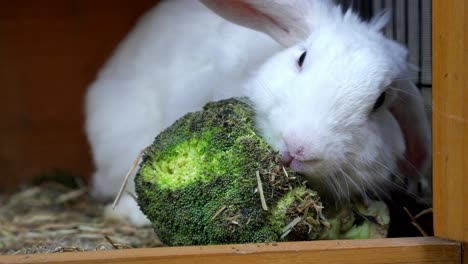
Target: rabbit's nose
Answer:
pixel 298 152
pixel 295 150
pixel 294 147
pixel 300 149
pixel 302 154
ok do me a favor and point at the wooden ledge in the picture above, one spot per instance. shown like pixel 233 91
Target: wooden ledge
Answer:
pixel 391 250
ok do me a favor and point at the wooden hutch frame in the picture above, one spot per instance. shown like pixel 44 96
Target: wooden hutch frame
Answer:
pixel 450 148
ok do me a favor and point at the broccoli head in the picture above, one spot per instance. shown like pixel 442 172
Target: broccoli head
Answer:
pixel 209 179
pixel 205 178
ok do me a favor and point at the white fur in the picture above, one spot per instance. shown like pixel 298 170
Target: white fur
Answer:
pixel 181 55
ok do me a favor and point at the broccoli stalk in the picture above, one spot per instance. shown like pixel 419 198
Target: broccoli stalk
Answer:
pixel 209 179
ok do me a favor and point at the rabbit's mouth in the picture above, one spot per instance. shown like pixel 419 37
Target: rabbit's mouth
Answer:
pixel 300 165
pixel 297 166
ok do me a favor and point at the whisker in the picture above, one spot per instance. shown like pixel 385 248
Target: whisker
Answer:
pixel 411 79
pixel 394 185
pixel 412 166
pixel 376 190
pixel 334 170
pixel 345 178
pixel 335 185
pixel 263 85
pixel 403 91
pixel 358 188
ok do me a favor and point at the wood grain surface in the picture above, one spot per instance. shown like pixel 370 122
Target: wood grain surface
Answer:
pixel 450 114
pixel 397 250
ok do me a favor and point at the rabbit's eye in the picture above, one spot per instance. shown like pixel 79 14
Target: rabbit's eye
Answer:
pixel 379 102
pixel 301 59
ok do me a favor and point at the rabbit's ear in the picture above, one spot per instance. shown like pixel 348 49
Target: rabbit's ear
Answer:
pixel 284 20
pixel 409 111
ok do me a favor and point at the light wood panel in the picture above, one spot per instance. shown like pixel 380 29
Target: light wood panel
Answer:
pixel 450 118
pixel 400 250
pixel 49 52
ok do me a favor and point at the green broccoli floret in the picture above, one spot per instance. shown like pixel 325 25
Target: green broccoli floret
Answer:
pixel 198 183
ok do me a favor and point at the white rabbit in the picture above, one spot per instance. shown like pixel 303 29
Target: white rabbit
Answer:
pixel 331 93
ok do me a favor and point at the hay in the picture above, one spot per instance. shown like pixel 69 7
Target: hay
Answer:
pixel 51 217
